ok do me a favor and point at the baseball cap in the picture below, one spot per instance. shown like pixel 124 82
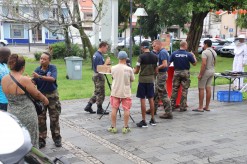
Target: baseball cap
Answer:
pixel 122 55
pixel 145 44
pixel 241 36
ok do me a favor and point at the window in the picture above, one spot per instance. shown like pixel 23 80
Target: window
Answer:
pixel 88 16
pixel 15 9
pixel 16 31
pixel 54 13
pixel 54 31
pixel 88 28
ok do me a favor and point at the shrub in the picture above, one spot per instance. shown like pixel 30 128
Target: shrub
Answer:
pixel 37 55
pixel 59 50
pixel 175 45
pixel 136 50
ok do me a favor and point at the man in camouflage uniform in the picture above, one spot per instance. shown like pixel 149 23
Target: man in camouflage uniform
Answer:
pixel 181 60
pixel 45 77
pixel 99 80
pixel 160 83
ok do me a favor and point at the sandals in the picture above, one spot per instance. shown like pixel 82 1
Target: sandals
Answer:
pixel 197 110
pixel 208 110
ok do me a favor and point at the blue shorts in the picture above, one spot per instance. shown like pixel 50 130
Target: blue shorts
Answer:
pixel 145 90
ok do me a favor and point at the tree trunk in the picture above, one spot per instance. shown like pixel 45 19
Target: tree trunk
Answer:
pixel 195 31
pixel 86 41
pixel 84 38
pixel 84 49
pixel 67 41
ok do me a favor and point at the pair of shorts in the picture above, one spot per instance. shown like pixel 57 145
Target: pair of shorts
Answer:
pixel 126 103
pixel 206 79
pixel 145 90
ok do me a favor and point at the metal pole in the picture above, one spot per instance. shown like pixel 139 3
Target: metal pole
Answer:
pixel 28 39
pixel 130 50
pixel 140 36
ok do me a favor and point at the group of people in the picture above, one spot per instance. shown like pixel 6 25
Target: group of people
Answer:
pixel 41 86
pixel 152 67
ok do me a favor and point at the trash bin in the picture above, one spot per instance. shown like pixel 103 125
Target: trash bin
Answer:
pixel 169 85
pixel 74 67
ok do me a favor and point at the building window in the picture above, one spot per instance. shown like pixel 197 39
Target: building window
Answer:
pixel 54 12
pixel 16 31
pixel 88 16
pixel 54 31
pixel 88 28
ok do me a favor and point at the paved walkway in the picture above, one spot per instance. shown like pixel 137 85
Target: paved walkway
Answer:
pixel 218 136
pixel 24 49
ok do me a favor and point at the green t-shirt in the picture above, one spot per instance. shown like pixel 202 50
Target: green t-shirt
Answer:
pixel 147 63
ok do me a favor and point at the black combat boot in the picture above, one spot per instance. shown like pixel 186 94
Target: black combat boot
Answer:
pixel 100 110
pixel 89 109
pixel 58 142
pixel 42 143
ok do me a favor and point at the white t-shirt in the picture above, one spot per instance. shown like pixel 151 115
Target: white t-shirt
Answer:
pixel 122 78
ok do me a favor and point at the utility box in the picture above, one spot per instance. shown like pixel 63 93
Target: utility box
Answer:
pixel 74 67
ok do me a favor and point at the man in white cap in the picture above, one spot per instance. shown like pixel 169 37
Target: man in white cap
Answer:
pixel 240 59
pixel 121 91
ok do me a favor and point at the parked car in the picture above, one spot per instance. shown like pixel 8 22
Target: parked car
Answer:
pixel 217 44
pixel 228 50
pixel 120 39
pixel 3 42
pixel 126 42
pixel 15 144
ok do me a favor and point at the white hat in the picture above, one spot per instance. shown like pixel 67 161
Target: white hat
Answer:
pixel 241 36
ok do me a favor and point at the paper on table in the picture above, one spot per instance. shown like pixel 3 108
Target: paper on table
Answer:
pixel 106 73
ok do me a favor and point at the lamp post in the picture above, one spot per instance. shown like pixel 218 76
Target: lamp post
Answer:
pixel 27 16
pixel 140 12
pixel 130 19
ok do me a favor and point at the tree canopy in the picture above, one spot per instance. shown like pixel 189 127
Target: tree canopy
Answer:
pixel 164 13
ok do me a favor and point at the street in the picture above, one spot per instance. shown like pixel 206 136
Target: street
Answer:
pixel 218 136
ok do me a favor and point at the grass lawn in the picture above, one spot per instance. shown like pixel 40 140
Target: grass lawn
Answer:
pixel 76 89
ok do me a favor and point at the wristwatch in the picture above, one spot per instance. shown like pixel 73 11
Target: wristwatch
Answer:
pixel 40 76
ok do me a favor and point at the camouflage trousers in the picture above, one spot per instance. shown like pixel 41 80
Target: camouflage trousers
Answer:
pixel 54 109
pixel 161 92
pixel 180 78
pixel 99 89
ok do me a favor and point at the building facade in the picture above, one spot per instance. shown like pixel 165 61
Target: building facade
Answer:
pixel 19 24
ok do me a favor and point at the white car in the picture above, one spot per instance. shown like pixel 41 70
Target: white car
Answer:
pixel 3 42
pixel 126 42
pixel 228 50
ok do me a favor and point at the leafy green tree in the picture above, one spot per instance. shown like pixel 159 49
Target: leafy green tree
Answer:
pixel 242 21
pixel 150 24
pixel 164 13
pixel 177 12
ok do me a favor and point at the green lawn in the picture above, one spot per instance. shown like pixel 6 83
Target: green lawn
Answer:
pixel 76 89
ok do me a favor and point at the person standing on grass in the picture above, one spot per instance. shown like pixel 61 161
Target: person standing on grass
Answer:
pixel 45 77
pixel 206 75
pixel 121 91
pixel 146 66
pixel 99 80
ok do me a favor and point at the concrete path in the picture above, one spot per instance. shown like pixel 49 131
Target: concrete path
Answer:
pixel 24 49
pixel 218 136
